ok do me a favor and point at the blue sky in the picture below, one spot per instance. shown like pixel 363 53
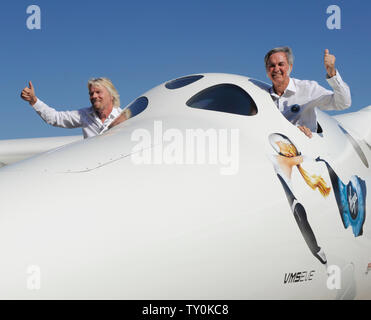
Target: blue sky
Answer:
pixel 144 43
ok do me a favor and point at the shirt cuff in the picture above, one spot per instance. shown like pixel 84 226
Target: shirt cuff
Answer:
pixel 336 80
pixel 39 105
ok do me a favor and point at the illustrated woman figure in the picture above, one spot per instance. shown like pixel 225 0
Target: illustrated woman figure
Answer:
pixel 284 161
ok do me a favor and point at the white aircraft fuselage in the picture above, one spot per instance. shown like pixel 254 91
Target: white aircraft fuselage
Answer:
pixel 180 202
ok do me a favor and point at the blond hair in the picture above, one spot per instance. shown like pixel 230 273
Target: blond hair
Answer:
pixel 106 83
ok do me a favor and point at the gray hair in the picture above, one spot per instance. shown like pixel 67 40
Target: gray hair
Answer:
pixel 286 50
pixel 106 83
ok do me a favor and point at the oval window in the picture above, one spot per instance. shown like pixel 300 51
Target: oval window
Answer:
pixel 224 98
pixel 137 106
pixel 182 82
pixel 130 111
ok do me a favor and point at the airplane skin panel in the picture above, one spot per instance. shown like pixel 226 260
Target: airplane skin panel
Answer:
pixel 185 203
pixel 358 122
pixel 18 149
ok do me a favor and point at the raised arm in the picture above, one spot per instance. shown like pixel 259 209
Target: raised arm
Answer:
pixel 340 98
pixel 63 119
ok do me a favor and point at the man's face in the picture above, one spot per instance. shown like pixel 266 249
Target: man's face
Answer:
pixel 278 68
pixel 100 98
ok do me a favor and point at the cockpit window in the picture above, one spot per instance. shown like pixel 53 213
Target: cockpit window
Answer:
pixel 182 82
pixel 225 98
pixel 130 111
pixel 138 106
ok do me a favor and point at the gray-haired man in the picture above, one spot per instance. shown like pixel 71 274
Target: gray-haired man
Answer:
pixel 298 99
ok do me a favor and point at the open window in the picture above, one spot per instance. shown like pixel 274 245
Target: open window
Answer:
pixel 130 111
pixel 224 98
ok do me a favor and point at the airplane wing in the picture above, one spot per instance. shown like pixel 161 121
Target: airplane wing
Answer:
pixel 358 123
pixel 18 149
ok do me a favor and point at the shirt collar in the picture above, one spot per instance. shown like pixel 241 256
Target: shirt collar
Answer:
pixel 291 89
pixel 115 112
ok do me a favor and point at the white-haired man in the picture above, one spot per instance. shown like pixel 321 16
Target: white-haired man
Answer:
pixel 298 99
pixel 105 107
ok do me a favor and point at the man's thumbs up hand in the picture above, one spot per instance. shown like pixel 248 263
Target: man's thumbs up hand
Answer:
pixel 28 94
pixel 329 61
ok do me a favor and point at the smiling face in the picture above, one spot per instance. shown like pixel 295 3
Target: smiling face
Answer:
pixel 100 98
pixel 278 69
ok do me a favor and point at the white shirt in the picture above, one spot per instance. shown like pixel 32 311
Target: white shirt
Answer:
pixel 301 97
pixel 85 118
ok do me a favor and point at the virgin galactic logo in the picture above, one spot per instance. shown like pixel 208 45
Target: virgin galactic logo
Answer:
pixel 353 201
